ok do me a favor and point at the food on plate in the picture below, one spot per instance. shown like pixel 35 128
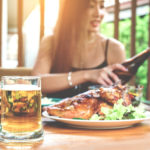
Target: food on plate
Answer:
pixel 105 103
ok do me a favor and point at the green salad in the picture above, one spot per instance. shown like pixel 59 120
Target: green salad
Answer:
pixel 120 112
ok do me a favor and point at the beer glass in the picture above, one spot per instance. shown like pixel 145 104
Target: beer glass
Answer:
pixel 21 109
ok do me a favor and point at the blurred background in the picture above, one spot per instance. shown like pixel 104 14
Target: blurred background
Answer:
pixel 24 22
pixel 29 14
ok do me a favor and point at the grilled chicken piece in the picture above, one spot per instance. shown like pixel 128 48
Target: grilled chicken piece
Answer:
pixel 77 107
pixel 86 104
pixel 113 94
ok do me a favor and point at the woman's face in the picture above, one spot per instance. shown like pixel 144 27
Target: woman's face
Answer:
pixel 95 14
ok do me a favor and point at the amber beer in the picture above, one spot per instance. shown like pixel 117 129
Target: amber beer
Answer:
pixel 21 110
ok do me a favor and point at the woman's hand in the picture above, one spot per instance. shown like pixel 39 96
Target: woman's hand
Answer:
pixel 105 76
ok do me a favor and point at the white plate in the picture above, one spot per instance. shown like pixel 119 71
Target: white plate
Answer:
pixel 101 124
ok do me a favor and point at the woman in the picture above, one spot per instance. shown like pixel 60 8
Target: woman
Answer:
pixel 77 55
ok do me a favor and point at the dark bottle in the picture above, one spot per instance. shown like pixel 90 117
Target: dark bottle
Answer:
pixel 132 65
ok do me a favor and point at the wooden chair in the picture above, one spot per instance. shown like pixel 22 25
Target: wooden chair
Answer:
pixel 19 71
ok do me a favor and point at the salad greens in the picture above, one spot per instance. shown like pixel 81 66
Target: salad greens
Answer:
pixel 120 112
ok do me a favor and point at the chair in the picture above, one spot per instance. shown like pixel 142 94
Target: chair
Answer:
pixel 19 71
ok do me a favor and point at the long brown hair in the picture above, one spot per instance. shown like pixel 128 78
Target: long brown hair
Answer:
pixel 68 33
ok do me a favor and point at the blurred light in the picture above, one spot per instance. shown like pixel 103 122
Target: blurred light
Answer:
pixel 51 13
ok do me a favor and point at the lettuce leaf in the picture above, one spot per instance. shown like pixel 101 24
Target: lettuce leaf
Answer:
pixel 120 112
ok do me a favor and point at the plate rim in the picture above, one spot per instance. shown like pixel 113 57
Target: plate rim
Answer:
pixel 45 114
pixel 96 124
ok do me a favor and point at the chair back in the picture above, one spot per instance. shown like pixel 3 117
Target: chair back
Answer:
pixel 19 71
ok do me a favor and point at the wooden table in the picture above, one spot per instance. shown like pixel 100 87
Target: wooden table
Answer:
pixel 58 136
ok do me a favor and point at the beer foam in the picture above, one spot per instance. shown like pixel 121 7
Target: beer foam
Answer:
pixel 20 87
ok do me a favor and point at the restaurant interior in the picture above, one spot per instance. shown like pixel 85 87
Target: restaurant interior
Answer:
pixel 24 23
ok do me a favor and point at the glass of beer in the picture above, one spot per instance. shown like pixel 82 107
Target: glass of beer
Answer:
pixel 21 109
